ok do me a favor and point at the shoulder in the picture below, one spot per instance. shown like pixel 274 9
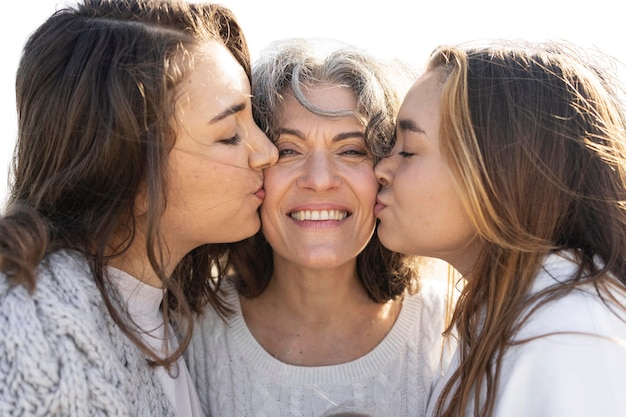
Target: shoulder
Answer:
pixel 434 288
pixel 66 273
pixel 210 330
pixel 53 339
pixel 428 312
pixel 435 300
pixel 61 267
pixel 581 310
pixel 208 320
pixel 575 342
pixel 570 373
pixel 212 349
pixel 432 299
pixel 63 279
pixel 65 291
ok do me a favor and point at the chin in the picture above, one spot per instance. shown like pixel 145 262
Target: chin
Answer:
pixel 382 236
pixel 244 232
pixel 392 244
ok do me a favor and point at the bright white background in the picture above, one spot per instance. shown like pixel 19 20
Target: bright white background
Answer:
pixel 406 29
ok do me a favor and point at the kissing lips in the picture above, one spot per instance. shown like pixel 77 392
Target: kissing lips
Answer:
pixel 378 207
pixel 260 193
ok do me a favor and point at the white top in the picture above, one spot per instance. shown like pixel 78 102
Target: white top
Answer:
pixel 143 303
pixel 235 376
pixel 579 373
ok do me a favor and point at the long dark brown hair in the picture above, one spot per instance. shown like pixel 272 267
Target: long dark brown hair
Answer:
pixel 96 90
pixel 535 136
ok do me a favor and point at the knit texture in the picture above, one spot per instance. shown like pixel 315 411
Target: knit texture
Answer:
pixel 61 354
pixel 235 376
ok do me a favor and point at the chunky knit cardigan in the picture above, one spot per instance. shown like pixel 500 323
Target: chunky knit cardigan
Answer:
pixel 236 377
pixel 61 354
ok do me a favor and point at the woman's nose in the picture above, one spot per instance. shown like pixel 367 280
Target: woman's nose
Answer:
pixel 263 153
pixel 319 172
pixel 383 171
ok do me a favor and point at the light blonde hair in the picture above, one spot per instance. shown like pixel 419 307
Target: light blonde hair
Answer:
pixel 535 136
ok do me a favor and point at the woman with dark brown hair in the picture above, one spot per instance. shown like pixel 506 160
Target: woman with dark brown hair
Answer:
pixel 136 151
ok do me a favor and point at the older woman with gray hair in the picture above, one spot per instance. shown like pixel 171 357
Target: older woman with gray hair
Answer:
pixel 323 318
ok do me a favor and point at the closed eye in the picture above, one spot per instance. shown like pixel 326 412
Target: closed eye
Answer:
pixel 231 141
pixel 405 154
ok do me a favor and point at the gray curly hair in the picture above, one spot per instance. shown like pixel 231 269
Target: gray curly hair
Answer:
pixel 291 65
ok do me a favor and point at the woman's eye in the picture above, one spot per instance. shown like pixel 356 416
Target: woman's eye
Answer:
pixel 354 152
pixel 286 152
pixel 405 154
pixel 231 141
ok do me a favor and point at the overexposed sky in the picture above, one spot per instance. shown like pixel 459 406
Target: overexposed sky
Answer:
pixel 390 28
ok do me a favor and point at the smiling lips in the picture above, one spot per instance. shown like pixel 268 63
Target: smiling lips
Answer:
pixel 318 215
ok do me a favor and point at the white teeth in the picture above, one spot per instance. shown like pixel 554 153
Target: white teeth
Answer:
pixel 319 215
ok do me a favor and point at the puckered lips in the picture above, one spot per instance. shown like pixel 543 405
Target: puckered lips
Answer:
pixel 260 191
pixel 379 206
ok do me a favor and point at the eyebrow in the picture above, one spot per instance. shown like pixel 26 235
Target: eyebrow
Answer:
pixel 406 124
pixel 336 138
pixel 231 110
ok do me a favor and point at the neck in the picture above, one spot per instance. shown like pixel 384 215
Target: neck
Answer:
pixel 317 317
pixel 135 262
pixel 316 294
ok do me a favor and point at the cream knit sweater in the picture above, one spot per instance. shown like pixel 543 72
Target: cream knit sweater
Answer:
pixel 235 376
pixel 61 354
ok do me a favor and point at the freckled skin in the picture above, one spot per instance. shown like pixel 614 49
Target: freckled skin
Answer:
pixel 212 178
pixel 422 213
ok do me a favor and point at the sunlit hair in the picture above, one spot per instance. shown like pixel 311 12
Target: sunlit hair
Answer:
pixel 289 67
pixel 535 137
pixel 96 90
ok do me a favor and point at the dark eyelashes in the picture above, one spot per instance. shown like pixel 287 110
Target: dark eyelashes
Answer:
pixel 232 141
pixel 352 153
pixel 355 152
pixel 285 152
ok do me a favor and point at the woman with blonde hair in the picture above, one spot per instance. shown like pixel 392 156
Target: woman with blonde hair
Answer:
pixel 510 164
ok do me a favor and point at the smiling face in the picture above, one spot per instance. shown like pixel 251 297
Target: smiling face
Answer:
pixel 419 209
pixel 214 173
pixel 318 212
